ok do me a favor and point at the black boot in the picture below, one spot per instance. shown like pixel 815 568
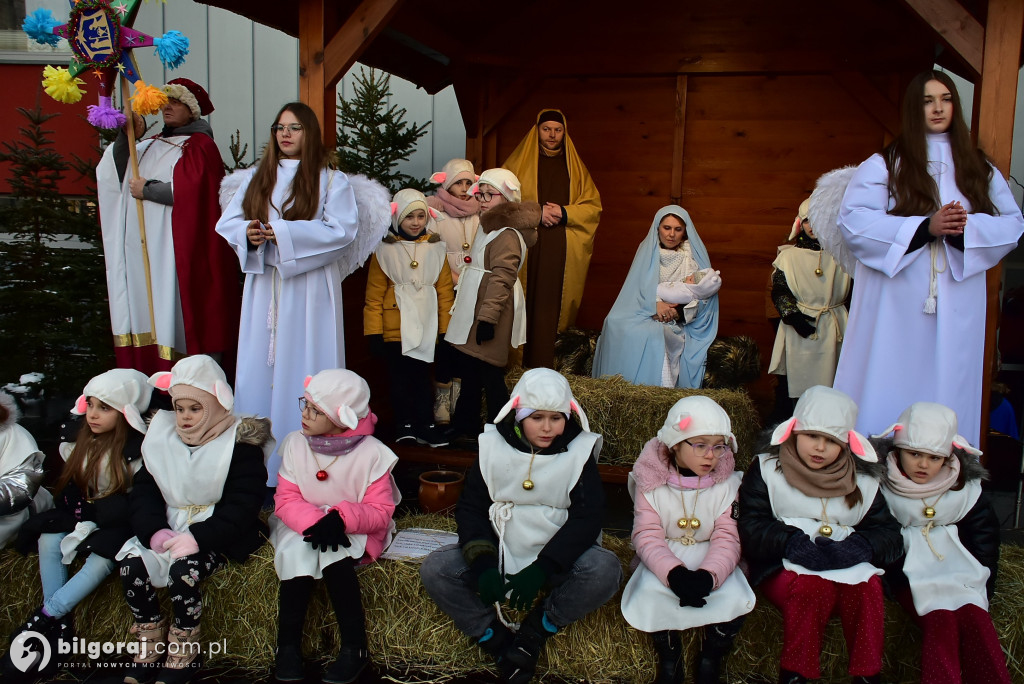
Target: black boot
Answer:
pixel 526 648
pixel 28 649
pixel 669 646
pixel 288 663
pixel 349 664
pixel 717 642
pixel 495 642
pixel 788 677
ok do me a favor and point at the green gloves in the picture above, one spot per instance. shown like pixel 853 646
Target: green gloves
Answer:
pixel 491 587
pixel 525 585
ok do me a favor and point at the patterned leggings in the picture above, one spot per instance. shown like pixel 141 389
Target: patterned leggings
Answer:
pixel 185 576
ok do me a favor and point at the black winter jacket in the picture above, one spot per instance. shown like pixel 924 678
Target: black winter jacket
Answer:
pixel 234 530
pixel 478 541
pixel 763 537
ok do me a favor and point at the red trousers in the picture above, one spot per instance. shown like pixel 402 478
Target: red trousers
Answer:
pixel 958 641
pixel 808 601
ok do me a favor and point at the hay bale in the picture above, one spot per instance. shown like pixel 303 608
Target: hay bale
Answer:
pixel 628 415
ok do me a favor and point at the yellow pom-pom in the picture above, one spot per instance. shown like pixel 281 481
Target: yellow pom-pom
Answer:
pixel 61 85
pixel 148 99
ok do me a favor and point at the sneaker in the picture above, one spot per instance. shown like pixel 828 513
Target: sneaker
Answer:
pixel 442 403
pixel 430 436
pixel 405 433
pixel 347 667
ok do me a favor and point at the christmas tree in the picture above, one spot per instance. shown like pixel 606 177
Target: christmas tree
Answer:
pixel 373 137
pixel 53 295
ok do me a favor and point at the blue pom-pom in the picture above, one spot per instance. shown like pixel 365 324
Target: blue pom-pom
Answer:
pixel 39 26
pixel 172 48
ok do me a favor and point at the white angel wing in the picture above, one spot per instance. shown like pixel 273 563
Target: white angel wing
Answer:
pixel 374 204
pixel 824 212
pixel 230 184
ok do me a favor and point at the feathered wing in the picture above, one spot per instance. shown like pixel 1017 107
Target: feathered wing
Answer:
pixel 374 204
pixel 824 212
pixel 229 186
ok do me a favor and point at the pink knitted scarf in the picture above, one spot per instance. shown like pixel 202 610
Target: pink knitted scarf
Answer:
pixel 452 205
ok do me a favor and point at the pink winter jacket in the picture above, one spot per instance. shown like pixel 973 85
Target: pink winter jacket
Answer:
pixel 372 516
pixel 651 471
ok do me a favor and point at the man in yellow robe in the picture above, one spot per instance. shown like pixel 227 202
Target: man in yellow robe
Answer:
pixel 552 173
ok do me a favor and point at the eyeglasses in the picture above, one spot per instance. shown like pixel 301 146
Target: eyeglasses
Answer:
pixel 485 196
pixel 307 405
pixel 280 128
pixel 701 449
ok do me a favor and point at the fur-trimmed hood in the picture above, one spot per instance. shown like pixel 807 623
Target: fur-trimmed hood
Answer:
pixel 652 467
pixel 13 412
pixel 523 216
pixel 253 430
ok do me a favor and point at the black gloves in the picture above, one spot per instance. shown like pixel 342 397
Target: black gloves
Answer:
pixel 490 586
pixel 484 332
pixel 376 344
pixel 846 553
pixel 802 551
pixel 328 531
pixel 801 322
pixel 691 586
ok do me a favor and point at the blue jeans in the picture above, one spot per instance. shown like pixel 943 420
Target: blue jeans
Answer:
pixel 591 581
pixel 60 594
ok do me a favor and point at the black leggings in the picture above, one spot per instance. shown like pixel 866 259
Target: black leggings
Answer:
pixel 342 587
pixel 185 576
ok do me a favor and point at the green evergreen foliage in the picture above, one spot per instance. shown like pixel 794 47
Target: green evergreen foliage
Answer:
pixel 53 293
pixel 373 137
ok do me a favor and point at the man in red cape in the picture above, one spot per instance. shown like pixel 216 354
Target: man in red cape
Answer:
pixel 194 275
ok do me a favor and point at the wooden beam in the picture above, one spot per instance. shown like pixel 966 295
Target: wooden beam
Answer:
pixel 510 95
pixel 678 147
pixel 874 101
pixel 362 26
pixel 996 99
pixel 957 29
pixel 312 84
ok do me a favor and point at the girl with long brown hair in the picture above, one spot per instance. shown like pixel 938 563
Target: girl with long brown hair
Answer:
pixel 290 223
pixel 91 516
pixel 924 219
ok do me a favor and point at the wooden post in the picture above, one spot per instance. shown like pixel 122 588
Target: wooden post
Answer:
pixel 312 80
pixel 678 140
pixel 997 98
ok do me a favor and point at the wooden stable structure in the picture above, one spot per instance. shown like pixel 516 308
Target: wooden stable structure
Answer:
pixel 732 108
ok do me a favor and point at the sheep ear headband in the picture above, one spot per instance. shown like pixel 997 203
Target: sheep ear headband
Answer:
pixel 430 210
pixel 124 389
pixel 928 427
pixel 343 396
pixel 827 411
pixel 543 389
pixel 197 371
pixel 696 415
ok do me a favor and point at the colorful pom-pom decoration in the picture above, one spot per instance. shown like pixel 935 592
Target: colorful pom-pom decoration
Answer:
pixel 61 85
pixel 104 115
pixel 172 48
pixel 39 26
pixel 147 99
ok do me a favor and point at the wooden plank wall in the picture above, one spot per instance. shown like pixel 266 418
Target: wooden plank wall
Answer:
pixel 754 145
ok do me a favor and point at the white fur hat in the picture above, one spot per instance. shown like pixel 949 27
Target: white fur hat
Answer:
pixel 406 201
pixel 454 170
pixel 197 371
pixel 543 389
pixel 504 181
pixel 828 412
pixel 343 396
pixel 692 416
pixel 124 389
pixel 928 427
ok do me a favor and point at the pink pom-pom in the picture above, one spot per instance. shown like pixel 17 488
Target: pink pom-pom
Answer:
pixel 105 116
pixel 394 207
pixel 305 383
pixel 684 422
pixel 855 446
pixel 163 382
pixel 439 177
pixel 81 406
